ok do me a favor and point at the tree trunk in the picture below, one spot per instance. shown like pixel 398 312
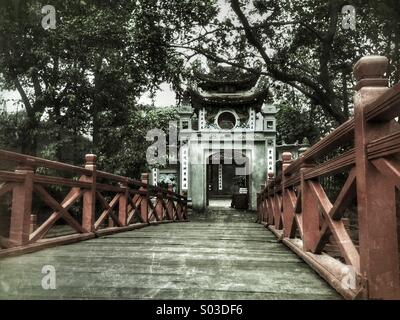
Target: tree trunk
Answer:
pixel 29 137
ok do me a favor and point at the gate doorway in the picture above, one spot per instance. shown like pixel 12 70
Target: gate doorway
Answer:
pixel 228 180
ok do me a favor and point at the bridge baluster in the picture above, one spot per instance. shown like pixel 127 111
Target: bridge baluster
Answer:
pixel 376 195
pixel 22 207
pixel 184 206
pixel 123 204
pixel 270 197
pixel 170 203
pixel 288 211
pixel 310 211
pixel 144 204
pixel 89 197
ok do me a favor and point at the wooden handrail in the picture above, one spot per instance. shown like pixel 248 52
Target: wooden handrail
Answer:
pixel 386 107
pixel 133 204
pixel 23 159
pixel 296 208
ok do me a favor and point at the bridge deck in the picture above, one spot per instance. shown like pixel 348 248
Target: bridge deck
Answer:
pixel 215 256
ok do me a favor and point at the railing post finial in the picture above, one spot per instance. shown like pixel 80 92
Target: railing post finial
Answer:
pixel 287 157
pixel 286 161
pixel 370 71
pixel 144 177
pixel 90 161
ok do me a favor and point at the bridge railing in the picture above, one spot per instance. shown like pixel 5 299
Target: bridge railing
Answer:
pixel 365 150
pixel 89 201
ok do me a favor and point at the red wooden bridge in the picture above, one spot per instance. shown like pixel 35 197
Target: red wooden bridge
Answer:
pixel 351 238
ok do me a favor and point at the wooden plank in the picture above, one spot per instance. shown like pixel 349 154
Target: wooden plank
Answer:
pixel 346 195
pixel 49 180
pixel 108 187
pixel 343 240
pixel 376 197
pixel 45 244
pixel 390 169
pixel 340 135
pixel 69 200
pixel 178 260
pixel 21 209
pixel 14 157
pixel 114 230
pixel 327 267
pixel 159 208
pixel 299 223
pixel 386 107
pixel 108 212
pixel 385 146
pixel 102 200
pixel 50 201
pixel 335 165
pixel 289 203
pixel 11 176
pixel 310 215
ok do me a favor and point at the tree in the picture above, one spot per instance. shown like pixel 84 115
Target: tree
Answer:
pixel 92 67
pixel 296 122
pixel 302 43
pixel 123 151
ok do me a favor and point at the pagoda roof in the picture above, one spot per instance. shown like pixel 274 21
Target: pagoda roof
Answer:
pixel 253 97
pixel 222 76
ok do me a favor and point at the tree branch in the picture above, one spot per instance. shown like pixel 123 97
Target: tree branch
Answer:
pixel 326 98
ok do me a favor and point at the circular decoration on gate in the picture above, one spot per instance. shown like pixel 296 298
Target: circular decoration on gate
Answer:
pixel 226 120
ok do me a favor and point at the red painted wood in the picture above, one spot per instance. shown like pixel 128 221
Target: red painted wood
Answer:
pixel 21 208
pixel 310 214
pixel 89 197
pixel 376 197
pixel 123 205
pixel 144 204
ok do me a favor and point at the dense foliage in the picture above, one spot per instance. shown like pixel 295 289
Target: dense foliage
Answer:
pixel 302 43
pixel 83 79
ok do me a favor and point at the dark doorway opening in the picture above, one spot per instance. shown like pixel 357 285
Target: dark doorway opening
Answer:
pixel 228 180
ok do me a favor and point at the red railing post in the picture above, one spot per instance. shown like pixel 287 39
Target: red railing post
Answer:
pixel 89 197
pixel 184 206
pixel 277 205
pixel 170 203
pixel 310 212
pixel 159 208
pixel 144 204
pixel 21 209
pixel 123 204
pixel 286 200
pixel 260 204
pixel 376 197
pixel 269 198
